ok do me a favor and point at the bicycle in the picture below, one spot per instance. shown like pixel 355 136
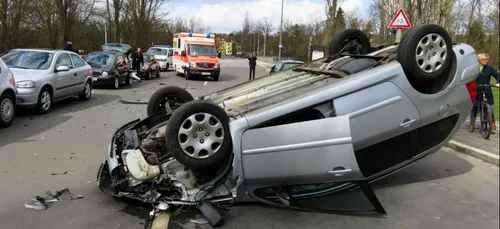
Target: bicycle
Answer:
pixel 485 113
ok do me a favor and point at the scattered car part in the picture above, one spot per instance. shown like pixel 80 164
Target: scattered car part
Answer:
pixel 40 203
pixel 167 99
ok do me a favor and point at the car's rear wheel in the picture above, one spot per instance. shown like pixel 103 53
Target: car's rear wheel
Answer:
pixel 198 135
pixel 7 110
pixel 116 83
pixel 187 75
pixel 167 99
pixel 148 75
pixel 426 52
pixel 130 80
pixel 352 41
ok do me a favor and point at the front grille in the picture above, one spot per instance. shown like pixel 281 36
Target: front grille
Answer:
pixel 96 73
pixel 205 65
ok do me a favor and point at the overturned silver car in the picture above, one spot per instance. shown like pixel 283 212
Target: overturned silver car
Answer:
pixel 309 138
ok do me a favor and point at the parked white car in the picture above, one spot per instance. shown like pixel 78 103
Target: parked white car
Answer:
pixel 163 55
pixel 45 76
pixel 7 96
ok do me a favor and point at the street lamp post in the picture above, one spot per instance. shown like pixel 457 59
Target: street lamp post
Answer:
pixel 281 30
pixel 105 33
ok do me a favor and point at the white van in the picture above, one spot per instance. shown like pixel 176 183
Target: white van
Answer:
pixel 163 55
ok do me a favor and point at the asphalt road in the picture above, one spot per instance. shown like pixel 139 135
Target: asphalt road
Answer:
pixel 445 190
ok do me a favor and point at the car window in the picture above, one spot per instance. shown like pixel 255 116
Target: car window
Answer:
pixel 158 51
pixel 77 61
pixel 28 59
pixel 279 65
pixel 64 60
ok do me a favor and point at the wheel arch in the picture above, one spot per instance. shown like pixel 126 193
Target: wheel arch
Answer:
pixel 11 92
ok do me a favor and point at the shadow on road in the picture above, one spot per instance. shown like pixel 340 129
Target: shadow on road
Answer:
pixel 437 166
pixel 28 123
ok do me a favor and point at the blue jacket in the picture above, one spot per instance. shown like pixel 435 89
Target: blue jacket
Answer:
pixel 484 77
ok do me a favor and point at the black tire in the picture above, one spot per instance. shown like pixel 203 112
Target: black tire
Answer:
pixel 342 42
pixel 148 75
pixel 7 119
pixel 407 53
pixel 485 128
pixel 86 94
pixel 177 120
pixel 158 72
pixel 40 108
pixel 187 75
pixel 116 83
pixel 216 77
pixel 166 67
pixel 156 100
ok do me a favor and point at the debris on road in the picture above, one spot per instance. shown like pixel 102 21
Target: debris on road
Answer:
pixel 132 102
pixel 63 173
pixel 40 203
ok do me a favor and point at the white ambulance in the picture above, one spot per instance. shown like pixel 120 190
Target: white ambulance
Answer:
pixel 195 55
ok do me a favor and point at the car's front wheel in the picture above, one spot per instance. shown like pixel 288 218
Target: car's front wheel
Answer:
pixel 44 101
pixel 198 134
pixel 116 83
pixel 87 91
pixel 7 110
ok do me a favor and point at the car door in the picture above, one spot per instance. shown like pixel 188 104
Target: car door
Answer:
pixel 81 71
pixel 302 164
pixel 64 80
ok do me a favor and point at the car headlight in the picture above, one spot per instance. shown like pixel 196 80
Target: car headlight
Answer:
pixel 217 65
pixel 25 84
pixel 104 74
pixel 192 64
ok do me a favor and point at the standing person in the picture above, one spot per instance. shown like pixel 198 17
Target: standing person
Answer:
pixel 137 60
pixel 485 73
pixel 69 46
pixel 252 61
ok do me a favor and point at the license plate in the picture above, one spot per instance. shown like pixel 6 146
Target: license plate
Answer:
pixel 94 78
pixel 205 73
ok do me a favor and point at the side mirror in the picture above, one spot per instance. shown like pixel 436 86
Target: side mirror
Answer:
pixel 183 53
pixel 62 69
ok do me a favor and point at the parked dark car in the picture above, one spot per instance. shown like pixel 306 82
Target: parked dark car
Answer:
pixel 281 65
pixel 110 68
pixel 150 68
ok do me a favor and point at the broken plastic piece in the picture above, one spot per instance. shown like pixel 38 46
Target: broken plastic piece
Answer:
pixel 200 220
pixel 67 194
pixel 38 203
pixel 63 173
pixel 210 212
pixel 162 206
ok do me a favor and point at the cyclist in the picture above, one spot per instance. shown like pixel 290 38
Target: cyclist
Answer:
pixel 485 73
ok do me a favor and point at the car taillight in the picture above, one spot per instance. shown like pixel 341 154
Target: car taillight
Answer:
pixel 12 80
pixel 471 88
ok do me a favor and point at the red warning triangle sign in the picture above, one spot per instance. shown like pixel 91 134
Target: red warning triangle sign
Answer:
pixel 400 21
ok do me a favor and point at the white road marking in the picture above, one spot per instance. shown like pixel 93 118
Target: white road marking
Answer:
pixel 205 83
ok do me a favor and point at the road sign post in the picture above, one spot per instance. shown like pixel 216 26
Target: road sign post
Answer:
pixel 399 22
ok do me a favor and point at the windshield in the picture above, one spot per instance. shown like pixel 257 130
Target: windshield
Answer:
pixel 28 59
pixel 202 50
pixel 116 47
pixel 147 58
pixel 290 65
pixel 158 51
pixel 100 59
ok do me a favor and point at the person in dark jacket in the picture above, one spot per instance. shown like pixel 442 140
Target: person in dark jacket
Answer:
pixel 252 61
pixel 485 73
pixel 137 60
pixel 69 46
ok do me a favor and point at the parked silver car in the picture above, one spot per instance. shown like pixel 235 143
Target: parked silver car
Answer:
pixel 163 55
pixel 7 96
pixel 45 76
pixel 311 137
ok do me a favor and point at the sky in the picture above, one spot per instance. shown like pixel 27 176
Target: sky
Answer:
pixel 224 16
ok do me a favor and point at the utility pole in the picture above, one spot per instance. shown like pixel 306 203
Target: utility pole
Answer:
pixel 258 43
pixel 105 33
pixel 399 32
pixel 265 37
pixel 281 30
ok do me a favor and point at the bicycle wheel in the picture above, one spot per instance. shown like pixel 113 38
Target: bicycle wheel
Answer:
pixel 485 129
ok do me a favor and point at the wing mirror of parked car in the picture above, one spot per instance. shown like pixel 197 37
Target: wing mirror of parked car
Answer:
pixel 62 69
pixel 183 53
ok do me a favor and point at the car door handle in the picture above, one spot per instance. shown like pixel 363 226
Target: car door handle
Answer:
pixel 339 171
pixel 407 122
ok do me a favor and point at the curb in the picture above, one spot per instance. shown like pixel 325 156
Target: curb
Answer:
pixel 472 151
